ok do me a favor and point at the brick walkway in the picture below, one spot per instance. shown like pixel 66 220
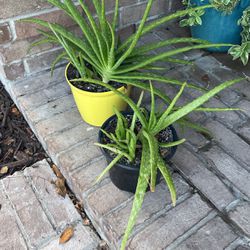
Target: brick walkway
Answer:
pixel 212 176
pixel 33 215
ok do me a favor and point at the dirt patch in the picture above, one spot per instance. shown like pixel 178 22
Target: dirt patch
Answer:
pixel 19 148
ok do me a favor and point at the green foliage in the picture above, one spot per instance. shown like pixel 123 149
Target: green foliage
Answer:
pixel 152 124
pixel 244 21
pixel 242 51
pixel 98 49
pixel 194 18
pixel 226 6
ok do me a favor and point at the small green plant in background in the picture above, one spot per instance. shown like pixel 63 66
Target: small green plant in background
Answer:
pixel 242 51
pixel 194 17
pixel 225 6
pixel 152 123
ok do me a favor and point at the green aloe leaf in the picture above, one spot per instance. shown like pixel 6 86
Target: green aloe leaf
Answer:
pixel 168 179
pixel 79 19
pixel 199 128
pixel 117 158
pixel 159 22
pixel 116 14
pixel 156 45
pixel 58 59
pixel 136 37
pixel 40 42
pixel 139 194
pixel 89 56
pixel 164 116
pixel 154 77
pixel 157 57
pixel 153 159
pixel 121 126
pixel 175 116
pixel 152 117
pixel 133 123
pixel 103 50
pixel 172 144
pixel 144 86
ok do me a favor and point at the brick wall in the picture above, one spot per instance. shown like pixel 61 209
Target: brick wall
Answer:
pixel 15 37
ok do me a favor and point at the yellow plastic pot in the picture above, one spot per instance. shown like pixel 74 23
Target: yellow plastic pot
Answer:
pixel 96 108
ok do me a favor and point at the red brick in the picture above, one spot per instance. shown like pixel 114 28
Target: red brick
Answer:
pixel 14 71
pixel 5 34
pixel 26 30
pixel 32 217
pixel 133 14
pixel 12 8
pixel 38 63
pixel 163 231
pixel 15 51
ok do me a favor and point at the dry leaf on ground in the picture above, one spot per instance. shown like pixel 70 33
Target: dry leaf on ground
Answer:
pixel 4 170
pixel 57 171
pixel 15 111
pixel 66 235
pixel 60 187
pixel 86 222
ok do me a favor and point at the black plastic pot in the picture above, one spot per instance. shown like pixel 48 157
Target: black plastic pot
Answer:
pixel 123 176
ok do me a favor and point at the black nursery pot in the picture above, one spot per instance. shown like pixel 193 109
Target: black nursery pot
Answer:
pixel 125 177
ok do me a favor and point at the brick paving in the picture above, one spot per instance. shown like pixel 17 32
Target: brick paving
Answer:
pixel 33 215
pixel 212 176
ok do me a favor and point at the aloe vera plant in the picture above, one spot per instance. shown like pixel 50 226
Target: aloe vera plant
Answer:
pixel 151 160
pixel 99 47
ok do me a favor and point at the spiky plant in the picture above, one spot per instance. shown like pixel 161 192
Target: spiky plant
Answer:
pixel 99 46
pixel 152 124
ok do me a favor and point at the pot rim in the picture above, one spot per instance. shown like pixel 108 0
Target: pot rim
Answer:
pixel 93 94
pixel 131 167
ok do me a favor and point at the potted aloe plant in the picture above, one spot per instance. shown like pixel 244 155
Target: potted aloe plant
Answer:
pixel 135 144
pixel 97 55
pixel 228 22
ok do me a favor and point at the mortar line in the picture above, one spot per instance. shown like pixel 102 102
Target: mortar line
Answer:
pixel 231 153
pixel 78 168
pixel 222 213
pixel 80 143
pixel 234 244
pixel 210 166
pixel 17 218
pixel 191 231
pixel 38 198
pixel 156 215
pixel 52 85
pixel 47 102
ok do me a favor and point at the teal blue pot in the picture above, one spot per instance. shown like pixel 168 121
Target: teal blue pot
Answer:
pixel 218 27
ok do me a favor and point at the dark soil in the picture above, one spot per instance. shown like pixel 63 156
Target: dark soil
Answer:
pixel 19 147
pixel 90 87
pixel 164 136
